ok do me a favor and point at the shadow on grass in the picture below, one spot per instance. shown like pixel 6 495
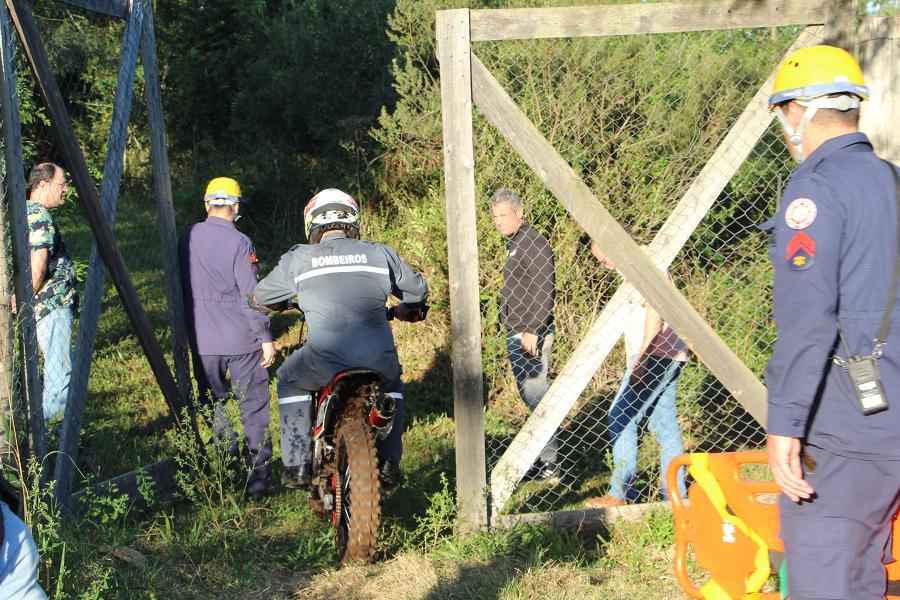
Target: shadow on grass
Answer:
pixel 515 556
pixel 584 470
pixel 476 582
pixel 725 425
pixel 431 394
pixel 585 462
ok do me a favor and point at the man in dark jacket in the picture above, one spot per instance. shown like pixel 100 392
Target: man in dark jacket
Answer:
pixel 218 273
pixel 526 308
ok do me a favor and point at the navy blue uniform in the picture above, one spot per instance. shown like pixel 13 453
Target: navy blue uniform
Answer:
pixel 833 246
pixel 218 272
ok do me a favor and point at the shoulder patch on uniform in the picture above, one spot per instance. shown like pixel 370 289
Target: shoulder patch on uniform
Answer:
pixel 801 252
pixel 800 213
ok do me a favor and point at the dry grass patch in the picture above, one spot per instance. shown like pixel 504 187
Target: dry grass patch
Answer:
pixel 407 576
pixel 555 581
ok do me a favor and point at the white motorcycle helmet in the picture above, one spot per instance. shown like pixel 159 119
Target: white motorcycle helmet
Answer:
pixel 328 210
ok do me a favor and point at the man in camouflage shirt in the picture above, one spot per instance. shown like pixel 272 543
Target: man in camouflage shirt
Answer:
pixel 53 281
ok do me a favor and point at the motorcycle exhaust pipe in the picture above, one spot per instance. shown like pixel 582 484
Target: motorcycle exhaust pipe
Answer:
pixel 383 411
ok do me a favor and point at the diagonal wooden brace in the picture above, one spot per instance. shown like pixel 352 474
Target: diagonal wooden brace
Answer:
pixel 501 110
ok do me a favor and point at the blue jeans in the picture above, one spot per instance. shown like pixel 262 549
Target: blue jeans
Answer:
pixel 54 336
pixel 531 377
pixel 653 397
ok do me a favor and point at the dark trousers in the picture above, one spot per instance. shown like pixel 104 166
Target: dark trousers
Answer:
pixel 835 543
pixel 250 384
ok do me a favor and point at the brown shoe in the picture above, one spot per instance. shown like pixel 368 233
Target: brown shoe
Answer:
pixel 606 501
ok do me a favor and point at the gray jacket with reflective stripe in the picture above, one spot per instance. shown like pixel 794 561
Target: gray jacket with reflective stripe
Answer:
pixel 342 286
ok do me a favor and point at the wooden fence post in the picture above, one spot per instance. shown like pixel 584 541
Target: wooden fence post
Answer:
pixel 879 55
pixel 840 23
pixel 96 277
pixel 14 190
pixel 162 186
pixel 453 50
pixel 87 193
pixel 90 202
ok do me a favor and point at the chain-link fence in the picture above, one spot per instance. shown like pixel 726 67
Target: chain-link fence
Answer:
pixel 638 118
pixel 8 363
pixel 58 368
pixel 21 227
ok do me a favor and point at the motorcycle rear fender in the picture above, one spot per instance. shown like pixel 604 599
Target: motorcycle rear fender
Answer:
pixel 328 400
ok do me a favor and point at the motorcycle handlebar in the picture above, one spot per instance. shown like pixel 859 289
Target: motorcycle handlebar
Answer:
pixel 409 313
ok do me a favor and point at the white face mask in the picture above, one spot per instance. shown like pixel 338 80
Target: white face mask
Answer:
pixel 842 103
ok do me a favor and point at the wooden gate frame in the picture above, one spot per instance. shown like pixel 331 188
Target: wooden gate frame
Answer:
pixel 464 79
pixel 139 35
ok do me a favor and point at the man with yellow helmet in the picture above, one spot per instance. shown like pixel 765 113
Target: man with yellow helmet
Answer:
pixel 218 272
pixel 833 442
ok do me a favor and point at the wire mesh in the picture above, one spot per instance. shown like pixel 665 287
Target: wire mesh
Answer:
pixel 55 312
pixel 638 134
pixel 8 364
pixel 22 388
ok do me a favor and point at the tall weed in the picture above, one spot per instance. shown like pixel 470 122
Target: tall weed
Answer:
pixel 211 474
pixel 42 515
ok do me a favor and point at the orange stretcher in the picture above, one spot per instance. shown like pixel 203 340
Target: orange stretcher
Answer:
pixel 731 522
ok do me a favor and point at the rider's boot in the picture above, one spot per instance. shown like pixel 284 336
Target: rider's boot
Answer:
pixel 297 477
pixel 390 474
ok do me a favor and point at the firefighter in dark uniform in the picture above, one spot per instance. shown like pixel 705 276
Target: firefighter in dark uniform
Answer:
pixel 342 284
pixel 835 456
pixel 218 272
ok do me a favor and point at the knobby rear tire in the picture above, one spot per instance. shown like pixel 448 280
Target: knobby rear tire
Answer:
pixel 356 527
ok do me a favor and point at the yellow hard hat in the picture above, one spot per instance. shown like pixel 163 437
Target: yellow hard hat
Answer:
pixel 223 190
pixel 817 71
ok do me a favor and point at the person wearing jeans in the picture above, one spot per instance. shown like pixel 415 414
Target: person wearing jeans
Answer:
pixel 531 378
pixel 654 398
pixel 656 356
pixel 53 282
pixel 526 310
pixel 54 337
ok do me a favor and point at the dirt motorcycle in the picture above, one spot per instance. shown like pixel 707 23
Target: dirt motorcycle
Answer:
pixel 352 414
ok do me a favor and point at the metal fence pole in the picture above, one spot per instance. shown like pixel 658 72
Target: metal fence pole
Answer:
pixel 94 283
pixel 162 186
pixel 14 190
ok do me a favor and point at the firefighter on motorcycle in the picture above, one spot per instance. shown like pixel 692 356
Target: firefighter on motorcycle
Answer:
pixel 342 285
